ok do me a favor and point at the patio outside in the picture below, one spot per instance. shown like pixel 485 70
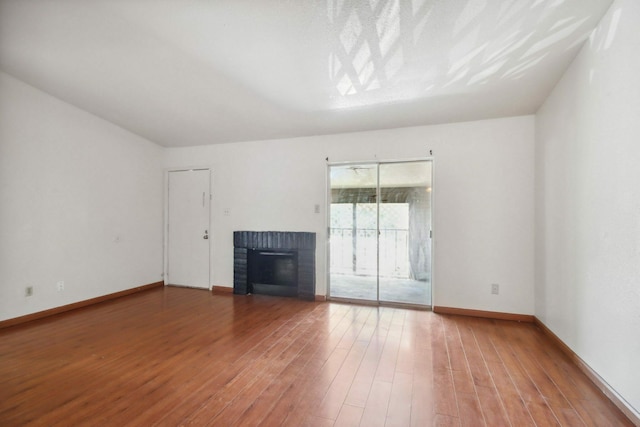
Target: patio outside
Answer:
pixel 354 257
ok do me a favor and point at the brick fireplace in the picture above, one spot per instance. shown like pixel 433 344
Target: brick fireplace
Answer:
pixel 274 263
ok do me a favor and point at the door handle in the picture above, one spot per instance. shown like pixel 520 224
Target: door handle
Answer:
pixel 206 234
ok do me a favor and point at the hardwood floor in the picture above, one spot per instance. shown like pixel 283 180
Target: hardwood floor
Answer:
pixel 175 356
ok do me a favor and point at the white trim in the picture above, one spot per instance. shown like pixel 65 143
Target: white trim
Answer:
pixel 327 232
pixel 432 234
pixel 376 161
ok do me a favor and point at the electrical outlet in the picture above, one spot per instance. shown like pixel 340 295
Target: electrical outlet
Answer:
pixel 495 289
pixel 60 286
pixel 28 291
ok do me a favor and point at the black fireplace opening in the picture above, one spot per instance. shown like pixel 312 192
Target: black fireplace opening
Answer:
pixel 272 272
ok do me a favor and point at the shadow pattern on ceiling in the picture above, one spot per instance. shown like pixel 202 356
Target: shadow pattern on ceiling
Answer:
pixel 197 72
pixel 421 48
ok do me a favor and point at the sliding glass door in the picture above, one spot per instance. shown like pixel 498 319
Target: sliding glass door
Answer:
pixel 353 232
pixel 404 212
pixel 380 224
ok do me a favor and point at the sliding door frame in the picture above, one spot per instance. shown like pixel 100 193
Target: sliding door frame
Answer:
pixel 378 164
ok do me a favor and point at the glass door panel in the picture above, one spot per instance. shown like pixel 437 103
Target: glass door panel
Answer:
pixel 353 266
pixel 405 226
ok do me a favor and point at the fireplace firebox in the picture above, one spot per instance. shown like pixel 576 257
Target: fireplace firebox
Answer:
pixel 273 272
pixel 280 263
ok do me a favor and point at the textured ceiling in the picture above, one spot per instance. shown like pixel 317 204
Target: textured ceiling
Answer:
pixel 196 72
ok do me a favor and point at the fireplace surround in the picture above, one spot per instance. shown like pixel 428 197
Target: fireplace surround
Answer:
pixel 274 263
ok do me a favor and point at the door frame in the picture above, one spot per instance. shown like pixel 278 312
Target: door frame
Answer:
pixel 378 162
pixel 165 230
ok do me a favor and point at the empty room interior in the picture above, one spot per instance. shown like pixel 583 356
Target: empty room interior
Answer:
pixel 328 212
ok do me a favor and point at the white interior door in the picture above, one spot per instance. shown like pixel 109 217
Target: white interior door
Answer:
pixel 188 222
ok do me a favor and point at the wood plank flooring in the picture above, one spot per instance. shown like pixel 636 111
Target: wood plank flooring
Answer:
pixel 175 356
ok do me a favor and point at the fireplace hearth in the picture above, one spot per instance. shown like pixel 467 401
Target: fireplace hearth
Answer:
pixel 278 263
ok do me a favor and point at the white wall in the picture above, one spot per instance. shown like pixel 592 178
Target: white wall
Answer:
pixel 588 203
pixel 80 202
pixel 483 200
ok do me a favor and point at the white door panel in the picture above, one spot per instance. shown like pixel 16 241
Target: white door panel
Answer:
pixel 188 236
